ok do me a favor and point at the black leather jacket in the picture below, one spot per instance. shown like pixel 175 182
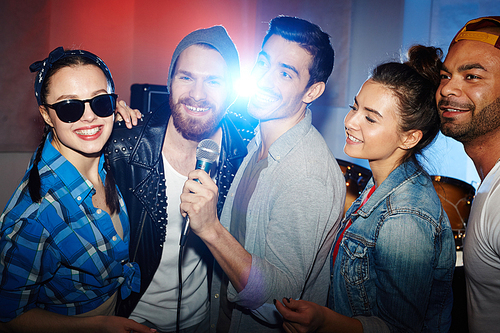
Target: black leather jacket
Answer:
pixel 137 165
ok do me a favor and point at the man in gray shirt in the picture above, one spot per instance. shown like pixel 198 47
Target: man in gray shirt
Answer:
pixel 281 212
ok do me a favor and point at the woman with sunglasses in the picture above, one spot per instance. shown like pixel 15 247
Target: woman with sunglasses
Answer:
pixel 64 233
pixel 394 256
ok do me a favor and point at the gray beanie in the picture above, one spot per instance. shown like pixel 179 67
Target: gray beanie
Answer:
pixel 216 37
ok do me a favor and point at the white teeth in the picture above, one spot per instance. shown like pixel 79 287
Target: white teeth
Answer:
pixel 91 131
pixel 264 98
pixel 195 109
pixel 453 110
pixel 353 138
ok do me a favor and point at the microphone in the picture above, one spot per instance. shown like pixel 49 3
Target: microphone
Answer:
pixel 207 153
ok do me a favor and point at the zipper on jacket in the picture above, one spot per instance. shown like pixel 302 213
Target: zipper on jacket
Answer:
pixel 144 214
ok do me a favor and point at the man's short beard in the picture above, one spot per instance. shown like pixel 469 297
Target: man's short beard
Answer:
pixel 192 128
pixel 484 122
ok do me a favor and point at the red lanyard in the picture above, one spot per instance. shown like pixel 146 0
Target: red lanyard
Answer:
pixel 348 224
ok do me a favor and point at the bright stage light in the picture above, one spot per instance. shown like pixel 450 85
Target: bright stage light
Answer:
pixel 245 86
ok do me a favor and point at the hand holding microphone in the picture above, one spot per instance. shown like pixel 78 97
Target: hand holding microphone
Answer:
pixel 207 153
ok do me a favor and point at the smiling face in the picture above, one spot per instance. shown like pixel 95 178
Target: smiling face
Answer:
pixel 372 130
pixel 199 92
pixel 469 94
pixel 87 136
pixel 281 73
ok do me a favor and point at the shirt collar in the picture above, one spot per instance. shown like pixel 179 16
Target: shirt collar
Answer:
pixel 78 186
pixel 403 174
pixel 285 143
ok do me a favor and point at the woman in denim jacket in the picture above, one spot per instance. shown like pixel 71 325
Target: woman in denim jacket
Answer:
pixel 393 260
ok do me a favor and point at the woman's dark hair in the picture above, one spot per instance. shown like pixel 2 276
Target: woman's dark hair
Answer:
pixel 311 38
pixel 414 83
pixel 34 182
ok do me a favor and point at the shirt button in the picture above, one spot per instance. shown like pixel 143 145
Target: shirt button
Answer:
pixel 79 198
pixel 114 238
pixel 99 211
pixel 216 295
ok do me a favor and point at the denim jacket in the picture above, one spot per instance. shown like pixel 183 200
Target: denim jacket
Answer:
pixel 395 263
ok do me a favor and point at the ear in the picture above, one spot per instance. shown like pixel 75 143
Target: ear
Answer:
pixel 313 92
pixel 45 115
pixel 411 138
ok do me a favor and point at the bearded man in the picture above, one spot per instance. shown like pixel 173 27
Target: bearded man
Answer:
pixel 151 163
pixel 469 106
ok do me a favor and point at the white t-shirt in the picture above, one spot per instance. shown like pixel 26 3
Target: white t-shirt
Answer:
pixel 482 256
pixel 158 305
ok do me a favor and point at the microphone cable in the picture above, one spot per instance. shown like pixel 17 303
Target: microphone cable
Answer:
pixel 207 153
pixel 179 297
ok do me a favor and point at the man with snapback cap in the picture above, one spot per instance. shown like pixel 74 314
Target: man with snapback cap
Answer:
pixel 469 107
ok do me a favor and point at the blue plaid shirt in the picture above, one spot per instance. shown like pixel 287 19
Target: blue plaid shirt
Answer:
pixel 62 255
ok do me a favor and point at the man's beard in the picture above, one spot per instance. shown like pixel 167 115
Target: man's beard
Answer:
pixel 195 128
pixel 484 122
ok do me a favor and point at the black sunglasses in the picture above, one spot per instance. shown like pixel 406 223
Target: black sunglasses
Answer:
pixel 72 110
